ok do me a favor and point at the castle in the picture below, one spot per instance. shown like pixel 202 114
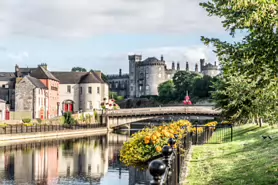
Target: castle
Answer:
pixel 145 75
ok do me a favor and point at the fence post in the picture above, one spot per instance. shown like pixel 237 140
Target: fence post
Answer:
pixel 157 168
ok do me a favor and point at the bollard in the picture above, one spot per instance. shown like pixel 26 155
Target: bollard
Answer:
pixel 172 142
pixel 157 169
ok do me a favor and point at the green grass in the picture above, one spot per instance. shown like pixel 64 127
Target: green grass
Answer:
pixel 248 160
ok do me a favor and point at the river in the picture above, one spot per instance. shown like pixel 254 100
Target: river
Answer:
pixel 91 160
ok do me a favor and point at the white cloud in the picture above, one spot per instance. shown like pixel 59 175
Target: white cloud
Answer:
pixel 83 18
pixel 18 57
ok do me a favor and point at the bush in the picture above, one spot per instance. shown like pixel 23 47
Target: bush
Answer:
pixel 96 116
pixel 148 143
pixel 28 124
pixel 39 120
pixel 26 120
pixel 69 120
pixel 3 125
pixel 88 118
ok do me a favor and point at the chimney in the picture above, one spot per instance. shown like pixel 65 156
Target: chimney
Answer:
pixel 161 58
pixel 178 66
pixel 98 73
pixel 173 65
pixel 120 72
pixel 196 68
pixel 44 65
pixel 187 66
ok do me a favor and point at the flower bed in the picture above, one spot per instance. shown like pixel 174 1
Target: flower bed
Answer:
pixel 148 143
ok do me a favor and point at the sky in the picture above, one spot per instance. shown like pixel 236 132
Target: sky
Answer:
pixel 100 35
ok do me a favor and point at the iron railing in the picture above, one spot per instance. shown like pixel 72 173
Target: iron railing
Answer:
pixel 21 128
pixel 167 170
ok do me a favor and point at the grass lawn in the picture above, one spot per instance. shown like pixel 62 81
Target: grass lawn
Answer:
pixel 248 160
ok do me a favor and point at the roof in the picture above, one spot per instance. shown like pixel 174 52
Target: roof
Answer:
pixel 77 77
pixel 2 101
pixel 151 59
pixel 36 82
pixel 42 73
pixel 90 78
pixel 6 76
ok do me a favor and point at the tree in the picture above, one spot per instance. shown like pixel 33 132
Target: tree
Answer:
pixel 167 91
pixel 183 81
pixel 202 86
pixel 249 84
pixel 78 69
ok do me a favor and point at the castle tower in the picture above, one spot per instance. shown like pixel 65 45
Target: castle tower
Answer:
pixel 196 68
pixel 133 60
pixel 161 58
pixel 202 64
pixel 187 66
pixel 173 65
pixel 178 66
pixel 120 72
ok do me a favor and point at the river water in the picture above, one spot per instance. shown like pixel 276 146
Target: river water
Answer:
pixel 90 160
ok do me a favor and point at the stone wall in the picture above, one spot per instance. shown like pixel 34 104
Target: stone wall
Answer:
pixel 24 96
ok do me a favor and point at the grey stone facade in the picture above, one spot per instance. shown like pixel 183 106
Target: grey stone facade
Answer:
pixel 145 76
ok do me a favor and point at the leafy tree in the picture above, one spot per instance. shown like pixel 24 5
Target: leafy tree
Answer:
pixel 202 86
pixel 183 81
pixel 249 84
pixel 78 69
pixel 167 91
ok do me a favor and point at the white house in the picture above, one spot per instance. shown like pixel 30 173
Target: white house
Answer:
pixel 81 91
pixel 2 109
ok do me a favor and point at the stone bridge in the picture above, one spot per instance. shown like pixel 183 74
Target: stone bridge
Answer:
pixel 116 118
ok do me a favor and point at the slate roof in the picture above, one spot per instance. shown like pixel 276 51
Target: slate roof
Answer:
pixel 36 82
pixel 6 76
pixel 151 59
pixel 77 77
pixel 41 73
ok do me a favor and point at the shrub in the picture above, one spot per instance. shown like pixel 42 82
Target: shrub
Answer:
pixel 28 124
pixel 148 143
pixel 88 118
pixel 26 120
pixel 39 120
pixel 3 125
pixel 68 119
pixel 96 116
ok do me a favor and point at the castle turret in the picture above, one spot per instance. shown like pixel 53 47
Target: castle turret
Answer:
pixel 215 63
pixel 187 66
pixel 178 66
pixel 173 65
pixel 196 68
pixel 202 64
pixel 120 72
pixel 161 58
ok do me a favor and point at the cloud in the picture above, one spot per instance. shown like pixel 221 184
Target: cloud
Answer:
pixel 183 54
pixel 18 57
pixel 84 18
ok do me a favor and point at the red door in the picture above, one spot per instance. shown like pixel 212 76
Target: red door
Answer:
pixel 70 107
pixel 66 107
pixel 7 115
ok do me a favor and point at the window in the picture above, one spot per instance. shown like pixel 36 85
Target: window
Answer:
pixel 90 90
pixel 169 76
pixel 110 85
pixel 159 75
pixel 68 89
pixel 159 68
pixel 98 90
pixel 89 105
pixel 147 87
pixel 147 75
pixel 140 88
pixel 131 88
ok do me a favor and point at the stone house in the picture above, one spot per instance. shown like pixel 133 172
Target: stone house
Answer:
pixel 31 96
pixel 81 90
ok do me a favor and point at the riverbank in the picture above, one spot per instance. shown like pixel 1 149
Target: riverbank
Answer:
pixel 29 137
pixel 249 159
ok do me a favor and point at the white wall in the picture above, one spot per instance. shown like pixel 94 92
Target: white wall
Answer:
pixel 65 95
pixel 86 97
pixel 40 95
pixel 2 111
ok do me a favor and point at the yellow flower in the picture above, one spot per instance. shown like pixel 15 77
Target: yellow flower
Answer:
pixel 158 149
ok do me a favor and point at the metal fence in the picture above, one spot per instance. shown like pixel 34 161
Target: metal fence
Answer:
pixel 167 170
pixel 19 129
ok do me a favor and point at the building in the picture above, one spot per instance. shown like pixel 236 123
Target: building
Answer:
pixel 145 75
pixel 31 96
pixel 44 94
pixel 81 90
pixel 2 110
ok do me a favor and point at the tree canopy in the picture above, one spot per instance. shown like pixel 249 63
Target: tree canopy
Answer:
pixel 78 69
pixel 249 84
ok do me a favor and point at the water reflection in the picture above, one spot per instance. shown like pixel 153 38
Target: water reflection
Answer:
pixel 91 160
